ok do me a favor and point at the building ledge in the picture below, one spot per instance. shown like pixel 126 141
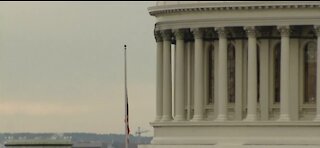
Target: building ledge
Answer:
pixel 237 5
pixel 239 123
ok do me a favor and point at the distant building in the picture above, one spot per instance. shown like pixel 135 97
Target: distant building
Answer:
pixel 55 141
pixel 36 143
pixel 87 144
pixel 92 144
pixel 121 145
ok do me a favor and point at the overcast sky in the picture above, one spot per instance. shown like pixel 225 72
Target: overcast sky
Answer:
pixel 61 66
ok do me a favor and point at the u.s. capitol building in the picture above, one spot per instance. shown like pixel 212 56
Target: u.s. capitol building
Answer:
pixel 243 74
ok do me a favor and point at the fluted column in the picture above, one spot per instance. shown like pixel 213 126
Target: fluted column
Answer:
pixel 252 75
pixel 284 73
pixel 198 76
pixel 159 75
pixel 317 30
pixel 222 76
pixel 179 76
pixel 167 76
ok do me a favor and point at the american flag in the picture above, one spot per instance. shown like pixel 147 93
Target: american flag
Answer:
pixel 127 120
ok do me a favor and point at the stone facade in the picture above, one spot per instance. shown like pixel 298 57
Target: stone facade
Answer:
pixel 245 73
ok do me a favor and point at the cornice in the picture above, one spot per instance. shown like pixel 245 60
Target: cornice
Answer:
pixel 236 22
pixel 230 6
pixel 237 123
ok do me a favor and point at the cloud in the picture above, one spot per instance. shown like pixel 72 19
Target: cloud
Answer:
pixel 41 108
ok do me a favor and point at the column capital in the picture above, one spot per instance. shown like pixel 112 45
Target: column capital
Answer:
pixel 317 30
pixel 179 34
pixel 221 31
pixel 157 36
pixel 197 33
pixel 166 35
pixel 250 30
pixel 284 30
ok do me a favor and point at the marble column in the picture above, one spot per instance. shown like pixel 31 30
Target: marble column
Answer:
pixel 284 73
pixel 264 78
pixel 222 76
pixel 159 76
pixel 198 76
pixel 167 76
pixel 317 30
pixel 252 75
pixel 180 76
pixel 239 79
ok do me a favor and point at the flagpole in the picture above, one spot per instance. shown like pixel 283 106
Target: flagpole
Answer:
pixel 126 99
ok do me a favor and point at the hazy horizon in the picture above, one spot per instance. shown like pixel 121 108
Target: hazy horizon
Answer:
pixel 62 66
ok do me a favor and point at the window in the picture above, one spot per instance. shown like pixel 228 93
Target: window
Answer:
pixel 277 56
pixel 231 73
pixel 310 71
pixel 258 74
pixel 211 75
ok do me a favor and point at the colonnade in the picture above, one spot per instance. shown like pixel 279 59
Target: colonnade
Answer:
pixel 164 75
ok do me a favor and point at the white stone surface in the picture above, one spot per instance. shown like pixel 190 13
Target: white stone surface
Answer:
pixel 228 146
pixel 284 73
pixel 179 78
pixel 252 74
pixel 167 79
pixel 257 13
pixel 159 75
pixel 222 76
pixel 245 123
pixel 198 76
